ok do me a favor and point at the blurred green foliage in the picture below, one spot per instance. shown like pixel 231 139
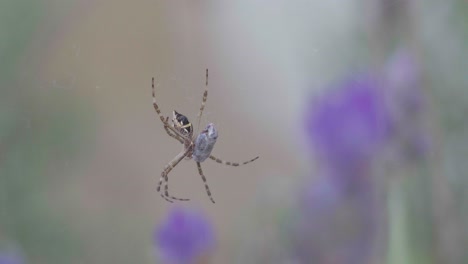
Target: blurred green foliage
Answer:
pixel 42 131
pixel 18 21
pixel 39 136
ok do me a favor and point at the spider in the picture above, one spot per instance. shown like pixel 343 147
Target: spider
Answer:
pixel 198 149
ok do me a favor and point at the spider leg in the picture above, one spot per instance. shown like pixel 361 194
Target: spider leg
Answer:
pixel 205 95
pixel 164 174
pixel 158 111
pixel 235 164
pixel 204 181
pixel 176 136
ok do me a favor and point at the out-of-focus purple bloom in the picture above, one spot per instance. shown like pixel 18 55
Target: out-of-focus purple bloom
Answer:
pixel 348 125
pixel 403 79
pixel 320 196
pixel 184 236
pixel 333 226
pixel 11 258
pixel 407 103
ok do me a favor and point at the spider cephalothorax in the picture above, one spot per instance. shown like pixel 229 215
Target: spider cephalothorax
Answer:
pixel 198 149
pixel 182 124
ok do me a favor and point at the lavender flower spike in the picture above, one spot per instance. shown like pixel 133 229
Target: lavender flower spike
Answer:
pixel 349 124
pixel 183 237
pixel 10 258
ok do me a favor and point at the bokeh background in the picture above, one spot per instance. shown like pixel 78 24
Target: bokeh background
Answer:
pixel 82 149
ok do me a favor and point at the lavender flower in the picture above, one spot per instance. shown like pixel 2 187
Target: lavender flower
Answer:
pixel 332 225
pixel 408 104
pixel 403 79
pixel 10 258
pixel 348 126
pixel 184 236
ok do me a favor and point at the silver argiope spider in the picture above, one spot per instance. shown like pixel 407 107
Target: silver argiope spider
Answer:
pixel 198 149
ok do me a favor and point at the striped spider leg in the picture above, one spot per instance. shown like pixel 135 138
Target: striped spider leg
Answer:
pixel 171 131
pixel 234 164
pixel 198 149
pixel 164 174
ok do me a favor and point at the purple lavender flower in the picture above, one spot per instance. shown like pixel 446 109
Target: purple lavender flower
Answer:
pixel 348 125
pixel 403 79
pixel 332 225
pixel 184 236
pixel 408 104
pixel 10 258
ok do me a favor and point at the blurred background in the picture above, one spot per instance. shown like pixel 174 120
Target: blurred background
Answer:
pixel 357 110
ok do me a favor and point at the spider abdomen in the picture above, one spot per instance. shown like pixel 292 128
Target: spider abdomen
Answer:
pixel 204 143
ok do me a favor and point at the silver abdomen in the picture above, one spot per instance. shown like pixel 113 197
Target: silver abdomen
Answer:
pixel 204 143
